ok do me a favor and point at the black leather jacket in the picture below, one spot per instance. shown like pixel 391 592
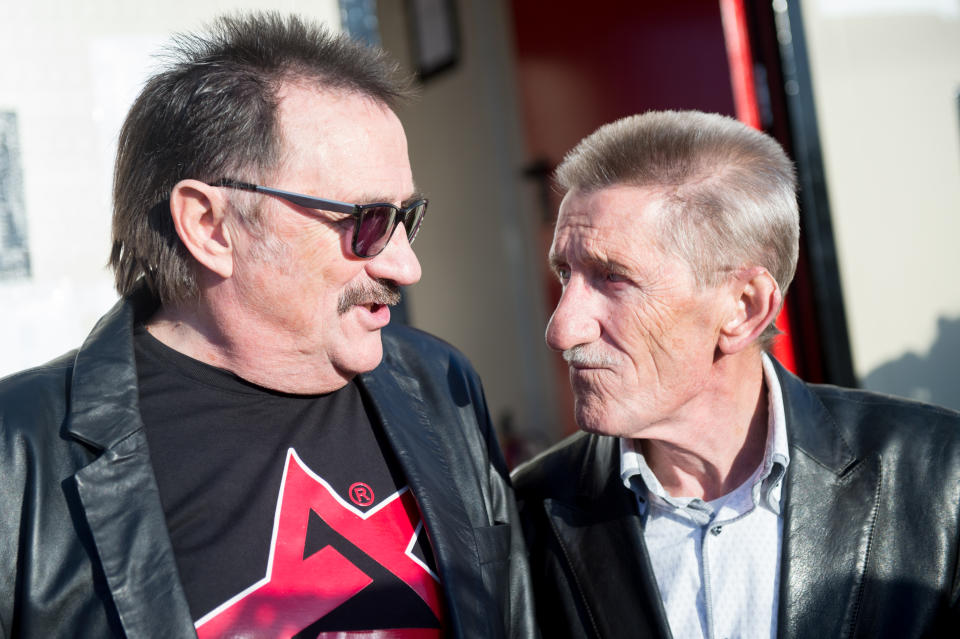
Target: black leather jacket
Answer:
pixel 84 549
pixel 870 526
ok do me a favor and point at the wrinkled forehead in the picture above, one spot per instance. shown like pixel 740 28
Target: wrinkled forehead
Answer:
pixel 620 214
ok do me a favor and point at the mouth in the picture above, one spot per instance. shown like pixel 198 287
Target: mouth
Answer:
pixel 591 369
pixel 581 367
pixel 375 315
pixel 586 368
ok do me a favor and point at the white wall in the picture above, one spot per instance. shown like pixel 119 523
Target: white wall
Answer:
pixel 886 78
pixel 69 71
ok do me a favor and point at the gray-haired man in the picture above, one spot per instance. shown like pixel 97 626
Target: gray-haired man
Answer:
pixel 714 494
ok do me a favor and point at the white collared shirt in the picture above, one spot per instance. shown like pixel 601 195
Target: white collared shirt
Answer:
pixel 717 563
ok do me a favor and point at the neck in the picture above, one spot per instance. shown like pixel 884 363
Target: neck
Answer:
pixel 721 441
pixel 230 340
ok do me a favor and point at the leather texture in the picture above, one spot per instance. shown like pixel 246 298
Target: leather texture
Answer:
pixel 870 531
pixel 84 548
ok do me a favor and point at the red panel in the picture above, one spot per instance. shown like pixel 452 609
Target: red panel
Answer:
pixel 582 64
pixel 741 62
pixel 748 111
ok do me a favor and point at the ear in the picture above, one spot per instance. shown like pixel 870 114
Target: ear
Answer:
pixel 198 211
pixel 756 301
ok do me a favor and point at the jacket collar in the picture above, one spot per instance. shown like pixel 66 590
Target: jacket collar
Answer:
pixel 118 489
pixel 811 428
pixel 832 501
pixel 103 394
pixel 412 431
pixel 601 534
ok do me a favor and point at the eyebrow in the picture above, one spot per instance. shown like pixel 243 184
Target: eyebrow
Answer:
pixel 416 195
pixel 555 261
pixel 371 198
pixel 592 261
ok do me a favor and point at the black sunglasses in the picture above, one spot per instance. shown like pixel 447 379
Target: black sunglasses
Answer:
pixel 374 224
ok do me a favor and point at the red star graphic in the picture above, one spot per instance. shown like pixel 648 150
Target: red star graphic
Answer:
pixel 296 592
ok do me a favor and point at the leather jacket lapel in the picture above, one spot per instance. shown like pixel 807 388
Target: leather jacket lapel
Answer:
pixel 118 490
pixel 832 500
pixel 119 495
pixel 602 539
pixel 397 400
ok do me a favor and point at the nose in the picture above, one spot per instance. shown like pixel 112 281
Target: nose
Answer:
pixel 397 261
pixel 575 320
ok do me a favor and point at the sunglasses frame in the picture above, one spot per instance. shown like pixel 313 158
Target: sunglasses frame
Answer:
pixel 356 211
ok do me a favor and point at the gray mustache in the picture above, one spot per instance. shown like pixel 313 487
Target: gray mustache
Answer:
pixel 581 355
pixel 370 292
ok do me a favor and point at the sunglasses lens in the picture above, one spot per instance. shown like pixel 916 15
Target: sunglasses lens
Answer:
pixel 377 224
pixel 373 230
pixel 413 220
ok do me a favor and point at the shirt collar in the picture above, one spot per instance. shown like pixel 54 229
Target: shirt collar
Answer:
pixel 767 480
pixel 776 457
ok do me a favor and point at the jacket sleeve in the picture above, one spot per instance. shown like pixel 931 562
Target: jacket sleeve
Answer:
pixel 11 497
pixel 953 614
pixel 33 512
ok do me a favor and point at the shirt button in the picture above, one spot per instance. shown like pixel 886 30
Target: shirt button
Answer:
pixel 716 530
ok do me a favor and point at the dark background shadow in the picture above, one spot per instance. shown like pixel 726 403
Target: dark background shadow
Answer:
pixel 934 377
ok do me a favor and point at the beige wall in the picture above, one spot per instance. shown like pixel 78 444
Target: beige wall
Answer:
pixel 886 77
pixel 481 289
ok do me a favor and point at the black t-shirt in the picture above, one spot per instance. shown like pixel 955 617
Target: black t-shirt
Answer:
pixel 288 514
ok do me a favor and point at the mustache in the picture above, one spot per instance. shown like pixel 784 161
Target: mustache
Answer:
pixel 369 292
pixel 590 356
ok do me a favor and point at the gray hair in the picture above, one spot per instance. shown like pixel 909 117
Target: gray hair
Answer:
pixel 729 191
pixel 212 113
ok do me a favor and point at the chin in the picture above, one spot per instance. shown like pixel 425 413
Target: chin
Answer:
pixel 591 420
pixel 595 417
pixel 366 357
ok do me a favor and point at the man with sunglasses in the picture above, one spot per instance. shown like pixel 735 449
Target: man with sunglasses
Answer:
pixel 243 446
